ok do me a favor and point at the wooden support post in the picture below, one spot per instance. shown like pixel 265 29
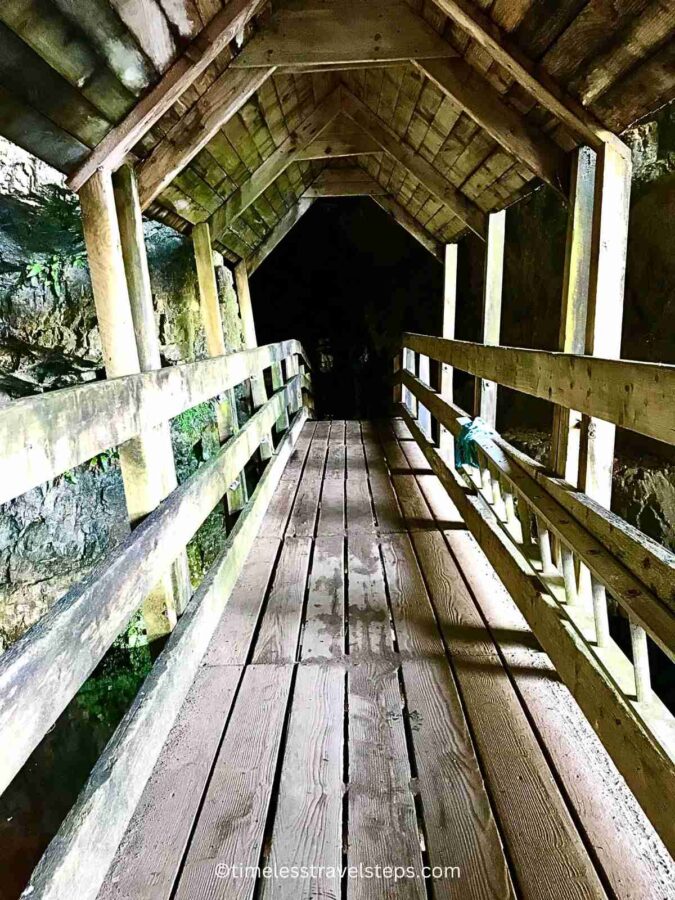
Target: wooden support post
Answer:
pixel 143 480
pixel 409 366
pixel 605 305
pixel 423 415
pixel 258 390
pixel 147 344
pixel 226 410
pixel 485 402
pixel 447 443
pixel 565 439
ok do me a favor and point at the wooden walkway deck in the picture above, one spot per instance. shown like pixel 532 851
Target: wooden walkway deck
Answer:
pixel 372 697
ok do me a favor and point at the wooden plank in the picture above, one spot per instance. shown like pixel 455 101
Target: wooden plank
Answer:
pixel 76 861
pixel 324 633
pixel 525 794
pixel 277 640
pixel 210 42
pixel 281 230
pixel 146 21
pixel 340 139
pixel 387 510
pixel 231 641
pixel 310 33
pixel 411 225
pixel 359 508
pixel 193 131
pixel 232 820
pixel 353 182
pixel 308 818
pixel 485 400
pixel 275 164
pixel 274 524
pixel 533 78
pixel 476 96
pixel 459 825
pixel 148 859
pixel 381 807
pixel 625 727
pixel 306 507
pixel 446 384
pixel 634 395
pixel 433 181
pixel 332 508
pixel 633 859
pixel 370 633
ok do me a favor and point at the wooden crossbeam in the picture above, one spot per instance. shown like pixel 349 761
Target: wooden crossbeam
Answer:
pixel 320 32
pixel 349 182
pixel 478 99
pixel 342 138
pixel 533 78
pixel 282 228
pixel 222 100
pixel 423 171
pixel 275 164
pixel 208 44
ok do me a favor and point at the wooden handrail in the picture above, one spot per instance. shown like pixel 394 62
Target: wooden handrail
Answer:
pixel 46 435
pixel 634 395
pixel 43 670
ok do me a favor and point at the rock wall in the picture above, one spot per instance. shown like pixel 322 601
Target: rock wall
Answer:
pixel 53 535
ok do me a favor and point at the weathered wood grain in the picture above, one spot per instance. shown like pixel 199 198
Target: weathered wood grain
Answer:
pixel 332 504
pixel 369 618
pixel 359 506
pixel 302 522
pixel 324 633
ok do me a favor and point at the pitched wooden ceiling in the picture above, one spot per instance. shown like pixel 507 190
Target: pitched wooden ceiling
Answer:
pixel 443 139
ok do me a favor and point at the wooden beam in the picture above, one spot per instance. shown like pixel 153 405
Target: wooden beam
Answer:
pixel 532 77
pixel 320 32
pixel 634 395
pixel 430 178
pixel 446 386
pixel 341 138
pixel 209 304
pixel 478 99
pixel 281 229
pixel 258 389
pixel 147 344
pixel 75 424
pixel 485 402
pixel 609 245
pixel 348 182
pixel 275 165
pixel 412 226
pixel 208 44
pixel 564 455
pixel 41 672
pixel 222 100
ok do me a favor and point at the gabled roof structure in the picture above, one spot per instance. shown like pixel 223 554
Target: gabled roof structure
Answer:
pixel 231 112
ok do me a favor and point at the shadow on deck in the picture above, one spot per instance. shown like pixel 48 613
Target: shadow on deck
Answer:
pixel 372 697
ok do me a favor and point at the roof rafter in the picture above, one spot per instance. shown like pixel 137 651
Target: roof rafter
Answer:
pixel 222 100
pixel 540 85
pixel 275 164
pixel 279 232
pixel 210 41
pixel 479 100
pixel 423 171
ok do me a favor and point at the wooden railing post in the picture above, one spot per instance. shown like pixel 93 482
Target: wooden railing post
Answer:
pixel 485 399
pixel 226 410
pixel 565 437
pixel 144 482
pixel 147 341
pixel 258 390
pixel 446 440
pixel 605 305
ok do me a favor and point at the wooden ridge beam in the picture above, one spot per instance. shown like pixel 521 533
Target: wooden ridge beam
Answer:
pixel 319 32
pixel 206 46
pixel 281 229
pixel 634 395
pixel 275 164
pixel 423 171
pixel 478 99
pixel 222 100
pixel 532 77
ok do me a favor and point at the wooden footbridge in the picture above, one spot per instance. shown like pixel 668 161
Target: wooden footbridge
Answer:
pixel 398 679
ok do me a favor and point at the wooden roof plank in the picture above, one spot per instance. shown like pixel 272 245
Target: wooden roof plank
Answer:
pixel 414 163
pixel 146 21
pixel 220 102
pixel 285 225
pixel 198 56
